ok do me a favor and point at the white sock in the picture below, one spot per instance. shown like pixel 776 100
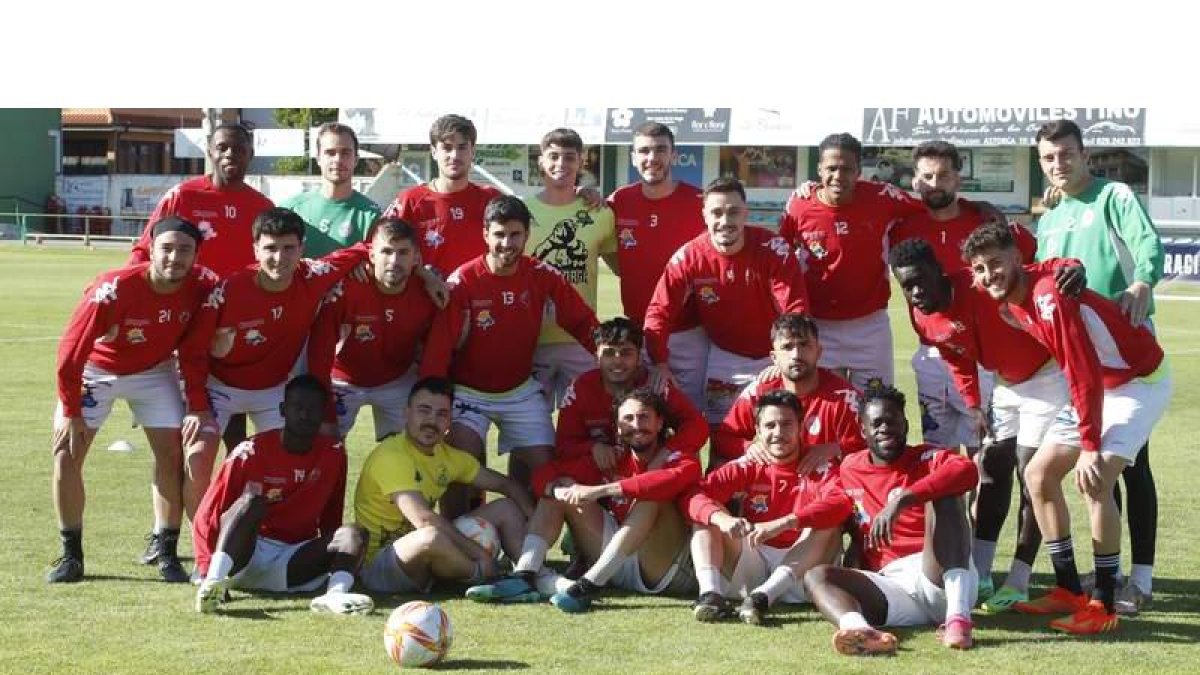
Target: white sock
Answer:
pixel 782 580
pixel 340 581
pixel 710 580
pixel 533 554
pixel 1142 575
pixel 852 620
pixel 606 567
pixel 1018 575
pixel 962 589
pixel 219 566
pixel 983 552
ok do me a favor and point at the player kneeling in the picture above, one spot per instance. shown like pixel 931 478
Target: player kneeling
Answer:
pixel 409 544
pixel 911 529
pixel 638 538
pixel 789 522
pixel 270 519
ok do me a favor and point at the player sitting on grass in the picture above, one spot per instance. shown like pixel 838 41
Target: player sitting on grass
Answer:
pixel 625 518
pixel 269 520
pixel 409 545
pixel 788 524
pixel 911 532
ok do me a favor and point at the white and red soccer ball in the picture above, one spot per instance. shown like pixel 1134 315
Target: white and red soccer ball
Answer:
pixel 418 634
pixel 480 531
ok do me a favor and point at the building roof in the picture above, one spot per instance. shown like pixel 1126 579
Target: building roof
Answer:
pixel 165 118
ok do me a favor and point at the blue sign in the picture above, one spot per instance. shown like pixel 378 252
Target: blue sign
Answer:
pixel 1182 259
pixel 688 166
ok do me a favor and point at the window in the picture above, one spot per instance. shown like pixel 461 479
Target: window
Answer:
pixel 1175 172
pixel 140 157
pixel 83 157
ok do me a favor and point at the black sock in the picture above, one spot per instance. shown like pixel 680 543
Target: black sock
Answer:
pixel 1107 565
pixel 72 543
pixel 1062 556
pixel 168 542
pixel 526 576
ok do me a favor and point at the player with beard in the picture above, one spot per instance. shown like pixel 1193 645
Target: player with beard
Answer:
pixel 625 518
pixel 655 216
pixel 840 231
pixel 829 423
pixel 789 519
pixel 911 534
pixel 1099 435
pixel 366 338
pixel 486 338
pixel 740 279
pixel 119 344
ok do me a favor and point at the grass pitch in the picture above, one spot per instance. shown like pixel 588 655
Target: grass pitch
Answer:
pixel 123 619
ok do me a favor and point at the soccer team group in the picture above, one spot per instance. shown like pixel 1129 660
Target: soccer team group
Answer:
pixel 1037 355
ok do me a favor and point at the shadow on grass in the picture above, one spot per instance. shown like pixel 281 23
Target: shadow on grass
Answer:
pixel 481 664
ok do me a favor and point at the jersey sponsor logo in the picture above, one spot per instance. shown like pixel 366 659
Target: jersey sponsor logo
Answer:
pixel 254 337
pixel 216 298
pixel 206 274
pixel 433 238
pixel 484 319
pixel 362 333
pixel 207 230
pixel 814 425
pixel 568 396
pixel 889 190
pixel 563 249
pixel 627 239
pixel 759 503
pixel 708 295
pixel 778 246
pixel 105 293
pixel 135 336
pixel 317 268
pixel 1045 306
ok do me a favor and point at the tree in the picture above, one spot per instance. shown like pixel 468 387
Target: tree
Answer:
pixel 301 118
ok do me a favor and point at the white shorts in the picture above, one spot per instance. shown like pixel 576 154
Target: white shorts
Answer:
pixel 862 347
pixel 680 579
pixel 262 405
pixel 152 395
pixel 388 402
pixel 912 599
pixel 944 418
pixel 555 366
pixel 267 569
pixel 688 362
pixel 728 374
pixel 383 573
pixel 522 414
pixel 754 567
pixel 1026 410
pixel 1130 413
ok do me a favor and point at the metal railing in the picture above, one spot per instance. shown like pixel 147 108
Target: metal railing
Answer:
pixel 86 227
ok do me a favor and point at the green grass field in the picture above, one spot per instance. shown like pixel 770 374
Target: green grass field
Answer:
pixel 123 619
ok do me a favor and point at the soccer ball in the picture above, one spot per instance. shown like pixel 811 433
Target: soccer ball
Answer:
pixel 481 532
pixel 418 634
